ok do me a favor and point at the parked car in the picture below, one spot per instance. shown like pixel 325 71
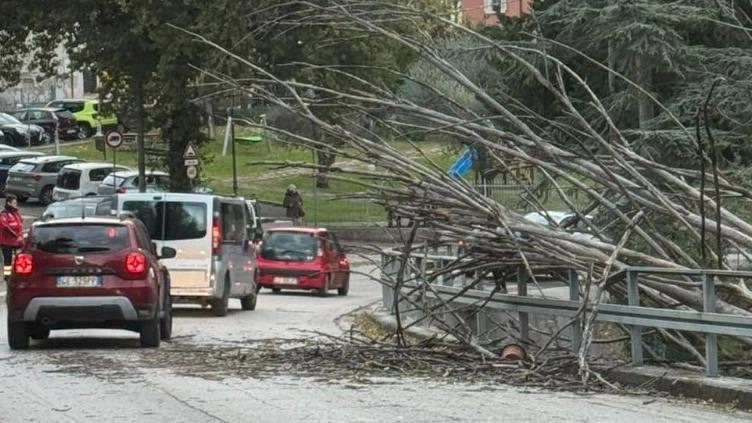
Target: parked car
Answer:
pixel 122 182
pixel 213 236
pixel 5 147
pixel 303 258
pixel 35 177
pixel 86 113
pixel 89 273
pixel 9 158
pixel 82 179
pixel 79 207
pixel 50 118
pixel 19 134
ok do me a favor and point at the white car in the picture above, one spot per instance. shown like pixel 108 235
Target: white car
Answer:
pixel 127 181
pixel 82 179
pixel 579 230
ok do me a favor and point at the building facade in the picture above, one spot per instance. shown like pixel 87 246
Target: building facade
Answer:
pixel 477 12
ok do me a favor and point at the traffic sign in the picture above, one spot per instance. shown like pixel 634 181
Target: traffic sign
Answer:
pixel 114 139
pixel 190 152
pixel 191 172
pixel 191 162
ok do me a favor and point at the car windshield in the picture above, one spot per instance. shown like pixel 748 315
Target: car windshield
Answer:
pixel 23 167
pixel 71 106
pixel 289 246
pixel 74 239
pixel 6 119
pixel 170 220
pixel 114 180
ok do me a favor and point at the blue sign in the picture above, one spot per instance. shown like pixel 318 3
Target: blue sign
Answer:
pixel 463 164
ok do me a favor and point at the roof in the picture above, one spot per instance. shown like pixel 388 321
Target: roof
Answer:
pixel 77 220
pixel 301 229
pixel 129 173
pixel 93 100
pixel 44 109
pixel 11 153
pixel 89 199
pixel 47 159
pixel 89 165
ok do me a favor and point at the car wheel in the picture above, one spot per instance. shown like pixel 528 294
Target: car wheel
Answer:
pixel 249 302
pixel 18 335
pixel 84 131
pixel 45 197
pixel 276 290
pixel 149 332
pixel 39 332
pixel 324 290
pixel 220 306
pixel 165 324
pixel 345 288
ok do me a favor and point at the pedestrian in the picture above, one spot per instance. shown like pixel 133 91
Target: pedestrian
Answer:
pixel 11 229
pixel 293 204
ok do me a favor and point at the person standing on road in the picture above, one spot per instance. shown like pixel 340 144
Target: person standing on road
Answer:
pixel 11 229
pixel 293 204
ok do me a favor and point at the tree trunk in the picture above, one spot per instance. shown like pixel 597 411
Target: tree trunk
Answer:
pixel 183 128
pixel 138 94
pixel 645 80
pixel 325 160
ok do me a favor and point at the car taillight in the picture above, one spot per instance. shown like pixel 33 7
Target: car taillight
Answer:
pixel 23 265
pixel 121 190
pixel 216 237
pixel 135 263
pixel 36 177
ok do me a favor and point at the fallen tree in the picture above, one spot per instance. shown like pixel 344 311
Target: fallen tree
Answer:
pixel 646 212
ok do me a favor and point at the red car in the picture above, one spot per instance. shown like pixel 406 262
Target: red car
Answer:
pixel 89 273
pixel 303 258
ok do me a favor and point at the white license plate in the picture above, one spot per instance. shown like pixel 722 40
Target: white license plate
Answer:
pixel 79 281
pixel 286 281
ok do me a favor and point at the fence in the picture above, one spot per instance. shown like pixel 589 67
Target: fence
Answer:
pixel 448 288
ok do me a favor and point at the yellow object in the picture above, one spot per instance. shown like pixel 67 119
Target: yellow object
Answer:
pixel 6 271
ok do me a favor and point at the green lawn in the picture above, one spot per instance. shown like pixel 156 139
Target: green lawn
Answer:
pixel 269 182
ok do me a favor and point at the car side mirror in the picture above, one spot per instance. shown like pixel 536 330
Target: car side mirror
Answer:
pixel 168 252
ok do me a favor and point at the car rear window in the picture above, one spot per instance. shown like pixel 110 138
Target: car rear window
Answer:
pixel 170 220
pixel 113 180
pixel 23 167
pixel 289 246
pixel 64 114
pixel 78 239
pixel 69 179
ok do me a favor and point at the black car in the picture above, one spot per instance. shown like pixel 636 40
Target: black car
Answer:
pixel 50 118
pixel 19 134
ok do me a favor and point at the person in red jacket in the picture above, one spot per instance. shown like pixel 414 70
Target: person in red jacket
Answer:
pixel 11 229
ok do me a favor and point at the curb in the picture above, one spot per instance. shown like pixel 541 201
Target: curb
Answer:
pixel 676 382
pixel 386 321
pixel 722 390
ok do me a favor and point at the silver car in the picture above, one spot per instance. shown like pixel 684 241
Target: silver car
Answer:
pixel 127 181
pixel 35 177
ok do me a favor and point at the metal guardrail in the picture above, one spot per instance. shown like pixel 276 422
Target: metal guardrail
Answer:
pixel 707 322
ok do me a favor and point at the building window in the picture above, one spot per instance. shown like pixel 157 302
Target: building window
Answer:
pixel 495 6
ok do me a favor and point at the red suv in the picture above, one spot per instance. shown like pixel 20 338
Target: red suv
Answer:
pixel 303 258
pixel 89 273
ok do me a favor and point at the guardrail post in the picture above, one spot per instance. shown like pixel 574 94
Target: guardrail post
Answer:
pixel 388 275
pixel 633 297
pixel 522 292
pixel 574 295
pixel 711 339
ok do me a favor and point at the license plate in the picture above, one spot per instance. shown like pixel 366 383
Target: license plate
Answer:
pixel 286 281
pixel 79 281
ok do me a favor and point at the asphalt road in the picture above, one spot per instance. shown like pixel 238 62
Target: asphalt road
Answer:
pixel 94 375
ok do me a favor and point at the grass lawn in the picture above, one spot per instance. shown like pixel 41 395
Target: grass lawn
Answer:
pixel 269 183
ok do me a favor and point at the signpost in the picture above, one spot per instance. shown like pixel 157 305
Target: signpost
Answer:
pixel 114 139
pixel 190 160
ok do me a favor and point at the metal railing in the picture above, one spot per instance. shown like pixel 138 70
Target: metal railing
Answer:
pixel 448 287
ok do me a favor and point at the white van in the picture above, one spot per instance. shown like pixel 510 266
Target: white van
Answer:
pixel 212 235
pixel 82 179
